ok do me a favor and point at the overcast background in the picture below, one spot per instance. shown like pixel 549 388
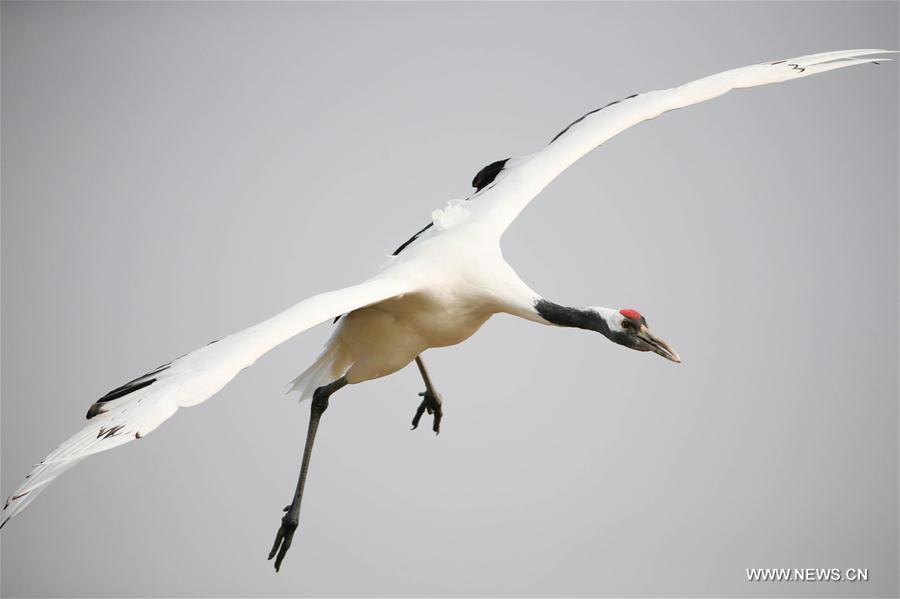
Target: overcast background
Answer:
pixel 175 172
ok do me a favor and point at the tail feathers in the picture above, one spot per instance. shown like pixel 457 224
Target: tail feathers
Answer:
pixel 332 364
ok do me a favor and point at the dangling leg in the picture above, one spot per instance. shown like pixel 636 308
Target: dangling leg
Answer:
pixel 431 400
pixel 292 517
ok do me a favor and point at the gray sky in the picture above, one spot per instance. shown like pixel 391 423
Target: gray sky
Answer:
pixel 175 172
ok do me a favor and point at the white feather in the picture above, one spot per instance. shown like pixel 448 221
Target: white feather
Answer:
pixel 521 180
pixel 190 380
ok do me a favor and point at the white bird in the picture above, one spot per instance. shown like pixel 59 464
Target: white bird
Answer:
pixel 436 290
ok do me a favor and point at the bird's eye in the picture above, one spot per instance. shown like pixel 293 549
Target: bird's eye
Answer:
pixel 626 324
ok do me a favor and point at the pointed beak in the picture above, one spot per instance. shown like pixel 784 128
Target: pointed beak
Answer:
pixel 657 345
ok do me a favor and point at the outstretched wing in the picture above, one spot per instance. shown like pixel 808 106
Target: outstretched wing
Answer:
pixel 504 188
pixel 131 411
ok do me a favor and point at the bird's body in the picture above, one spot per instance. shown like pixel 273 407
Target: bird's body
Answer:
pixel 459 279
pixel 436 290
pixel 381 339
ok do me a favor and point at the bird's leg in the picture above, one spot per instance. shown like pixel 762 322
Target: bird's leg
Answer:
pixel 431 400
pixel 292 516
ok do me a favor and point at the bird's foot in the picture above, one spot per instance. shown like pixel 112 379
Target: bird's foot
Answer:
pixel 284 537
pixel 431 403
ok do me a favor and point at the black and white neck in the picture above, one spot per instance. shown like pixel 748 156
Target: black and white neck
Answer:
pixel 594 318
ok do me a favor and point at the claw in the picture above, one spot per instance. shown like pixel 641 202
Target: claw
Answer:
pixel 436 427
pixel 419 411
pixel 283 540
pixel 431 403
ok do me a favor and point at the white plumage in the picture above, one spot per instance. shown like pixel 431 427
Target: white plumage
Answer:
pixel 438 291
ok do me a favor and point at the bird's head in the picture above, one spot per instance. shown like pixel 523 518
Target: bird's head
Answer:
pixel 629 328
pixel 625 327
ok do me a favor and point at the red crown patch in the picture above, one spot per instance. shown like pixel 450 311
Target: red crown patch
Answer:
pixel 632 314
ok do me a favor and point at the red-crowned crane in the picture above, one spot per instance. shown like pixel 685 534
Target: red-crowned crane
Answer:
pixel 436 290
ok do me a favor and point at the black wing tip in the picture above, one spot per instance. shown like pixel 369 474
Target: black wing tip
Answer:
pixel 97 408
pixel 6 505
pixel 131 386
pixel 106 433
pixel 482 179
pixel 486 175
pixel 410 240
pixel 587 114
